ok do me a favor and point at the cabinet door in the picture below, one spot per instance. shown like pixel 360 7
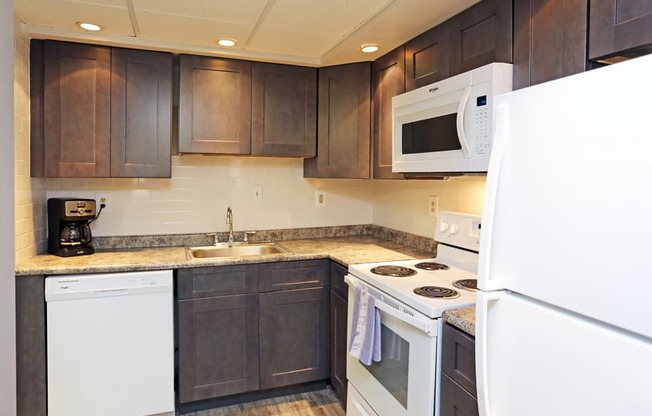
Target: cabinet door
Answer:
pixel 214 105
pixel 294 337
pixel 338 345
pixel 618 26
pixel 388 80
pixel 455 401
pixel 549 40
pixel 344 123
pixel 76 110
pixel 427 57
pixel 458 357
pixel 284 110
pixel 218 346
pixel 480 35
pixel 141 113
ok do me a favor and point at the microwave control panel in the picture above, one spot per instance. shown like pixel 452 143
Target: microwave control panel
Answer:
pixel 481 127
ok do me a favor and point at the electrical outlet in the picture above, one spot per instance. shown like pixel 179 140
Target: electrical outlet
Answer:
pixel 433 205
pixel 257 193
pixel 320 199
pixel 103 198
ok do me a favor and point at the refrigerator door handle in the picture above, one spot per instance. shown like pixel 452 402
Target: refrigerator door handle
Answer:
pixel 460 122
pixel 495 162
pixel 483 304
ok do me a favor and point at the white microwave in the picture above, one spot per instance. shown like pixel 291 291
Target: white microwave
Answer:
pixel 447 126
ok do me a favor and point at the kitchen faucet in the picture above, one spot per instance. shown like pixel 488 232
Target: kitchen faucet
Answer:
pixel 229 221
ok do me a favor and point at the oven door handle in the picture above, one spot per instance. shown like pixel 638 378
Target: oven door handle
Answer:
pixel 427 325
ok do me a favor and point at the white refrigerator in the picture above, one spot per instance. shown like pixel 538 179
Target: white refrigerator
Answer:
pixel 564 307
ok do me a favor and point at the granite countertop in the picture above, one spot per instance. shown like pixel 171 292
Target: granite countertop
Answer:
pixel 462 318
pixel 344 250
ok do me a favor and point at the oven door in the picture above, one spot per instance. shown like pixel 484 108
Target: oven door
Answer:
pixel 403 382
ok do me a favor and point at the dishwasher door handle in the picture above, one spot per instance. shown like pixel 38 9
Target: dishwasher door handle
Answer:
pixel 100 293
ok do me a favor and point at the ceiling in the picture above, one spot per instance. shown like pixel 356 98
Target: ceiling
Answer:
pixel 303 32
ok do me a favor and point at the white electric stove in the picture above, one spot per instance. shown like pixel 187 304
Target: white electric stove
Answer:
pixel 411 296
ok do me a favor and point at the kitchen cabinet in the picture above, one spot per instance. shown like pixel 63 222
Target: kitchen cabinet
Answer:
pixel 31 367
pixel 98 111
pixel 294 323
pixel 388 80
pixel 251 327
pixel 343 123
pixel 284 110
pixel 458 387
pixel 550 38
pixel 480 35
pixel 427 57
pixel 217 331
pixel 338 312
pixel 214 105
pixel 620 27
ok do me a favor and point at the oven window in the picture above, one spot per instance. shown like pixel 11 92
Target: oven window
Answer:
pixel 436 134
pixel 392 370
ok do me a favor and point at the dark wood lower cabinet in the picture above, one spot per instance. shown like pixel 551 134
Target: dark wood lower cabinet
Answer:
pixel 455 401
pixel 338 345
pixel 294 337
pixel 458 387
pixel 218 346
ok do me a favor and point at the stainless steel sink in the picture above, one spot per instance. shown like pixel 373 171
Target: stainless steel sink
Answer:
pixel 234 250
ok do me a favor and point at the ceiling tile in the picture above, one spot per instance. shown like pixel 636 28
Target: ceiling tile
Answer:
pixel 242 11
pixel 286 41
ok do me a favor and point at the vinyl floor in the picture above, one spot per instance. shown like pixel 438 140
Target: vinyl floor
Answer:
pixel 315 403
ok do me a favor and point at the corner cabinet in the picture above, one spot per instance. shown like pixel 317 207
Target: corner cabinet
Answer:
pixel 99 112
pixel 214 105
pixel 458 386
pixel 251 327
pixel 550 39
pixel 344 123
pixel 388 80
pixel 620 27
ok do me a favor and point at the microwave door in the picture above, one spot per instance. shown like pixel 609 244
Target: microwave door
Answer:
pixel 461 135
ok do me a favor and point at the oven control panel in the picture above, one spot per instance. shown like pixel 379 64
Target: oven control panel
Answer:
pixel 459 229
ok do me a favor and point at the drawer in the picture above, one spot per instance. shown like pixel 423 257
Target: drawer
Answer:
pixel 458 357
pixel 290 275
pixel 337 280
pixel 203 282
pixel 455 401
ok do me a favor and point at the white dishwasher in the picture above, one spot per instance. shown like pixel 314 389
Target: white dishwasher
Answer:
pixel 110 344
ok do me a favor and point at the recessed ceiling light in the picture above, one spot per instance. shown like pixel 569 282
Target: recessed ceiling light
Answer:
pixel 226 42
pixel 89 26
pixel 369 48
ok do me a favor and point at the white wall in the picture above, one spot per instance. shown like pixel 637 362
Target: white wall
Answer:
pixel 7 278
pixel 196 198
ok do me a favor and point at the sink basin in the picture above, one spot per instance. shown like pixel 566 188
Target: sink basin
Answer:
pixel 235 250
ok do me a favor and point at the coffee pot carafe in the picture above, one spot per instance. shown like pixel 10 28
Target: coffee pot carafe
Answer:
pixel 69 231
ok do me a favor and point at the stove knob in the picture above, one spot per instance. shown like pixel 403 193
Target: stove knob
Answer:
pixel 454 228
pixel 443 227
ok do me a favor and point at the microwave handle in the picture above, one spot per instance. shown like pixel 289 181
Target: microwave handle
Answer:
pixel 461 135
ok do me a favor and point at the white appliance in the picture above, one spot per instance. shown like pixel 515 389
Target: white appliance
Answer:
pixel 405 381
pixel 447 126
pixel 110 344
pixel 564 314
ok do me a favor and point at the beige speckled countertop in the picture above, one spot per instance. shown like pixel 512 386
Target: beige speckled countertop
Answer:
pixel 462 318
pixel 344 250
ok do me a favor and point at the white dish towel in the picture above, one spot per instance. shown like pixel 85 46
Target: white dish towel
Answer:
pixel 365 328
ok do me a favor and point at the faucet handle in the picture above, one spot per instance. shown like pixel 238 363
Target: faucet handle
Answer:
pixel 247 234
pixel 216 239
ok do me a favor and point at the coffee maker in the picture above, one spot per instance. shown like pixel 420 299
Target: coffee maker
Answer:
pixel 69 232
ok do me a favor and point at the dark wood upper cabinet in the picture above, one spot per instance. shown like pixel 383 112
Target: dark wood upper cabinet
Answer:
pixel 99 111
pixel 620 27
pixel 549 40
pixel 214 105
pixel 344 123
pixel 427 57
pixel 388 80
pixel 284 110
pixel 480 35
pixel 76 116
pixel 141 113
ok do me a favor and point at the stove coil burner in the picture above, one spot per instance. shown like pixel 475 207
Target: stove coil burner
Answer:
pixel 468 284
pixel 394 271
pixel 437 292
pixel 431 265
